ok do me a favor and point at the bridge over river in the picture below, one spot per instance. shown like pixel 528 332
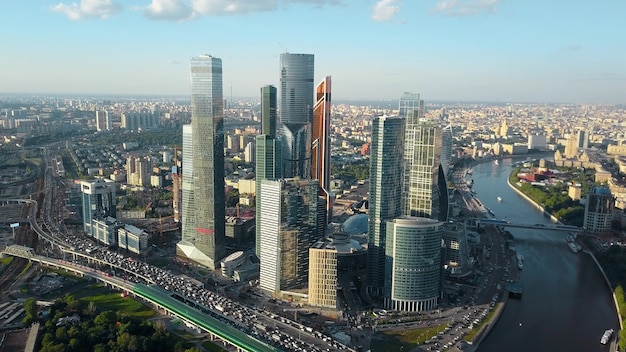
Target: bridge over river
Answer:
pixel 552 227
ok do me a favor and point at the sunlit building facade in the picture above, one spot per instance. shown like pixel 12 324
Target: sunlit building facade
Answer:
pixel 203 238
pixel 413 264
pixel 268 148
pixel 386 164
pixel 599 210
pixel 320 146
pixel 296 109
pixel 425 192
pixel 288 225
pixel 98 198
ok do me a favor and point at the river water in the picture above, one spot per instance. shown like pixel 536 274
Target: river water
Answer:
pixel 566 304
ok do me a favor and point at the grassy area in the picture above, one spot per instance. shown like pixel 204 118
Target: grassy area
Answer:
pixel 28 266
pixel 406 339
pixel 6 260
pixel 211 347
pixel 117 303
pixel 472 334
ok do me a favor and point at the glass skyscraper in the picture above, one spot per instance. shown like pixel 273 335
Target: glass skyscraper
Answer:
pixel 385 191
pixel 288 225
pixel 204 234
pixel 296 108
pixel 98 198
pixel 268 149
pixel 425 192
pixel 320 146
pixel 413 264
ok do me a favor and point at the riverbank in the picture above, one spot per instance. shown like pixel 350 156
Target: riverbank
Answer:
pixel 613 346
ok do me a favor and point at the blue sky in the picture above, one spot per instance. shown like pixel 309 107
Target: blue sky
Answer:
pixel 455 50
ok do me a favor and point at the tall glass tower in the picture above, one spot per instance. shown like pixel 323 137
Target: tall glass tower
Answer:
pixel 425 192
pixel 320 146
pixel 385 192
pixel 203 241
pixel 268 148
pixel 288 225
pixel 296 107
pixel 413 264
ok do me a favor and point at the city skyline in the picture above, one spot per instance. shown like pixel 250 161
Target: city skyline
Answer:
pixel 462 50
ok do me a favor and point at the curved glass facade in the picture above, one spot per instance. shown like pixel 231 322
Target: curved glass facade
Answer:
pixel 296 112
pixel 413 264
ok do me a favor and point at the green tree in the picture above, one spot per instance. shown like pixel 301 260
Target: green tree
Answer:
pixel 30 308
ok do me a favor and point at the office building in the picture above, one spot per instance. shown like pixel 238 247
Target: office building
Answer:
pixel 413 264
pixel 447 148
pixel 132 239
pixel 98 200
pixel 323 263
pixel 296 108
pixel 138 171
pixel 103 121
pixel 571 147
pixel 386 164
pixel 268 148
pixel 136 121
pixel 320 146
pixel 424 191
pixel 287 224
pixel 582 138
pixel 203 236
pixel 599 209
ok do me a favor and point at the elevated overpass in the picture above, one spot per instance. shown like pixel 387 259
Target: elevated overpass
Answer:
pixel 550 227
pixel 161 299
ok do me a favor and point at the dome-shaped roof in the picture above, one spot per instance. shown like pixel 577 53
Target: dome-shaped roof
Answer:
pixel 356 224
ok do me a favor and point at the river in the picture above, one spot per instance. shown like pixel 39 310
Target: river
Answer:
pixel 566 304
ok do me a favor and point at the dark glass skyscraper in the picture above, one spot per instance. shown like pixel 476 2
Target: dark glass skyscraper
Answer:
pixel 203 241
pixel 385 192
pixel 296 107
pixel 268 149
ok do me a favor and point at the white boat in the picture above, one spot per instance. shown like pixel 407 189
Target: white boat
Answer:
pixel 496 162
pixel 606 336
pixel 575 247
pixel 499 199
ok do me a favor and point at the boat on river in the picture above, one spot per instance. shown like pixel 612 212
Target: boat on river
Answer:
pixel 499 199
pixel 606 336
pixel 575 247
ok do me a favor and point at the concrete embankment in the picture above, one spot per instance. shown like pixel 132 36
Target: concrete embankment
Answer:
pixel 608 282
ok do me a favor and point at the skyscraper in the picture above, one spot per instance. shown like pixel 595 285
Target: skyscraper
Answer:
pixel 268 149
pixel 599 209
pixel 103 121
pixel 320 146
pixel 413 264
pixel 204 242
pixel 583 139
pixel 385 191
pixel 425 192
pixel 288 225
pixel 296 106
pixel 98 197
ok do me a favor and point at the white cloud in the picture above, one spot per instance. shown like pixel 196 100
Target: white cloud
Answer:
pixel 173 10
pixel 88 9
pixel 466 7
pixel 384 10
pixel 225 7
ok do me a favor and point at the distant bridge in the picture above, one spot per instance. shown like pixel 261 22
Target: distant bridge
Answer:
pixel 550 227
